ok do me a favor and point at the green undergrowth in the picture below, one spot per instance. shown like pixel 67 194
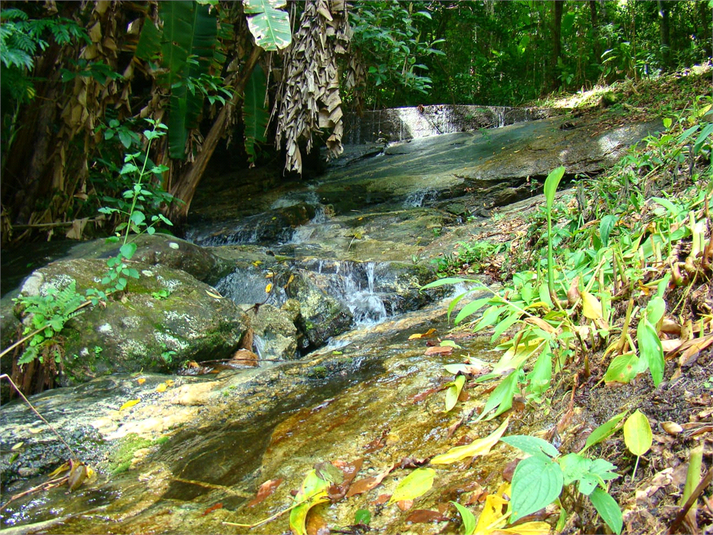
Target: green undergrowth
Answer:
pixel 615 276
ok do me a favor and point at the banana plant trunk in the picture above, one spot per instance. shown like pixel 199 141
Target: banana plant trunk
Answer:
pixel 183 187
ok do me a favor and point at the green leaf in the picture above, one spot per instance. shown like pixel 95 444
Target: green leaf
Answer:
pixel 149 45
pixel 471 308
pixel 551 183
pixel 490 316
pixel 604 431
pixel 269 26
pixel 623 369
pixel 255 114
pixel 127 250
pixel 574 467
pixel 362 516
pixel 650 349
pixel 504 325
pixel 532 445
pixel 704 135
pixel 416 484
pixel 541 375
pixel 637 434
pixel 138 218
pixel 536 483
pixel 469 522
pixel 445 282
pixel 655 309
pixel 312 492
pixel 454 391
pixel 605 227
pixel 608 509
pixel 501 397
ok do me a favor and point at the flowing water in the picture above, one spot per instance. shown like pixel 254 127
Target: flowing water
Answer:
pixel 370 394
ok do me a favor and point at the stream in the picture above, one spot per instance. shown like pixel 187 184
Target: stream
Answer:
pixel 191 457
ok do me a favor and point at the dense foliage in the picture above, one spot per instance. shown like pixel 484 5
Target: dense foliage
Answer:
pixel 78 77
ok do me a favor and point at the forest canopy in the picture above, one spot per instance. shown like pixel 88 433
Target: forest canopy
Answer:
pixel 79 79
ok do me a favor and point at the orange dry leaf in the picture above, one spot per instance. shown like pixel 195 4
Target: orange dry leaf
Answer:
pixel 439 350
pixel 267 488
pixel 368 483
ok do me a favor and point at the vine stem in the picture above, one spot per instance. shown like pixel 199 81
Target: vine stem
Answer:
pixel 6 376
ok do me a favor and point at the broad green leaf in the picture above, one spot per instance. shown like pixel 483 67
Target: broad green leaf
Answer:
pixel 445 282
pixel 269 26
pixel 637 433
pixel 536 483
pixel 416 484
pixel 704 135
pixel 127 250
pixel 255 114
pixel 532 445
pixel 541 375
pixel 504 325
pixel 605 227
pixel 623 369
pixel 362 516
pixel 149 44
pixel 650 349
pixel 655 309
pixel 551 183
pixel 481 446
pixel 312 492
pixel 500 398
pixel 471 308
pixel 608 509
pixel 604 431
pixel 454 391
pixel 468 519
pixel 574 467
pixel 490 316
pixel 666 204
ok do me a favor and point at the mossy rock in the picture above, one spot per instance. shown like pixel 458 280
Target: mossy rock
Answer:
pixel 165 318
pixel 164 250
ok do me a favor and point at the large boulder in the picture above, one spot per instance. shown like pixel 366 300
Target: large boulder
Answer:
pixel 163 250
pixel 165 318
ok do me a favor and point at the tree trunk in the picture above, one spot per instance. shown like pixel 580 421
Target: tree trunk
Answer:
pixel 184 187
pixel 596 46
pixel 665 33
pixel 556 41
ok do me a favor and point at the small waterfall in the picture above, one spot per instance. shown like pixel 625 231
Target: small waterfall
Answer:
pixel 365 304
pixel 420 198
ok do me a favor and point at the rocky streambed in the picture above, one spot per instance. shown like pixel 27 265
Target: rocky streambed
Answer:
pixel 326 275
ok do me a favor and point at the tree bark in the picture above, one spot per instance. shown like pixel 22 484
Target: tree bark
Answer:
pixel 596 47
pixel 184 187
pixel 556 41
pixel 665 33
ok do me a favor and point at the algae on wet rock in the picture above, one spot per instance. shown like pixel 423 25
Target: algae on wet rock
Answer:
pixel 165 318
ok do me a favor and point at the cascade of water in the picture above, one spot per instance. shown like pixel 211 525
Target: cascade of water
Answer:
pixel 365 304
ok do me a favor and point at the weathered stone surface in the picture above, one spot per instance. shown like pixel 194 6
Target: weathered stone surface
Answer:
pixel 143 329
pixel 163 250
pixel 275 332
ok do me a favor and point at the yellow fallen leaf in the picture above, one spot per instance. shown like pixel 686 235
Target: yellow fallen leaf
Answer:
pixel 478 447
pixel 591 307
pixel 269 275
pixel 129 404
pixel 169 382
pixel 161 388
pixel 141 380
pixel 214 294
pixel 427 334
pixel 492 521
pixel 268 288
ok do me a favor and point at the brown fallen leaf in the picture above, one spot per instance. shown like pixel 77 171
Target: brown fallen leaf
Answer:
pixel 381 499
pixel 404 505
pixel 244 357
pixel 368 483
pixel 378 443
pixel 439 350
pixel 423 516
pixel 212 508
pixel 267 488
pixel 423 395
pixel 350 470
